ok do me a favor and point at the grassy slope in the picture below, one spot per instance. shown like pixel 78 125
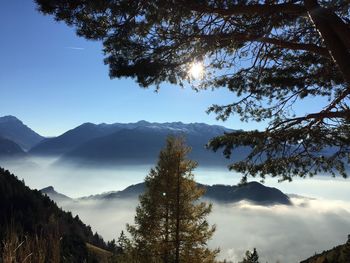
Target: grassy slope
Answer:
pixel 103 256
pixel 339 254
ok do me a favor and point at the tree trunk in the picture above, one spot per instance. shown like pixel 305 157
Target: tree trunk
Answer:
pixel 334 33
pixel 342 29
pixel 166 252
pixel 177 233
pixel 336 40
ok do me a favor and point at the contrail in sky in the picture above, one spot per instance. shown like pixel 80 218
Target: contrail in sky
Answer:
pixel 75 48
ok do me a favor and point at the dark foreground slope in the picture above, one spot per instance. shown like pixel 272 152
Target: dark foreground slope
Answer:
pixel 29 213
pixel 339 254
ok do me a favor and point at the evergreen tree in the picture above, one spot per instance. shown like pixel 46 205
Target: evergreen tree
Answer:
pixel 170 222
pixel 126 253
pixel 251 257
pixel 112 246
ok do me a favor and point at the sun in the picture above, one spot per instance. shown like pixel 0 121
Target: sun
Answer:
pixel 196 70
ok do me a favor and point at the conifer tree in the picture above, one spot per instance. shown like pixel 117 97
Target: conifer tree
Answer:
pixel 126 253
pixel 170 222
pixel 251 257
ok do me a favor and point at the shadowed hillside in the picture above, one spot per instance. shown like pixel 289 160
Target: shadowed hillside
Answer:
pixel 29 213
pixel 339 254
pixel 10 149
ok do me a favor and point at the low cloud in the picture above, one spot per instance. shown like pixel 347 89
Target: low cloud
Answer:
pixel 280 233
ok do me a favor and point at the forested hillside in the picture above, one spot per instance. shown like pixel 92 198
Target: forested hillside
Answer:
pixel 26 214
pixel 339 254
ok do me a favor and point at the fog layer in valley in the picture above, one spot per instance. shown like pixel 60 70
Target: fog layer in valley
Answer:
pixel 285 233
pixel 80 181
pixel 76 181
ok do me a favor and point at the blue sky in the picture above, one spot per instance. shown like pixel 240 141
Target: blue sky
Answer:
pixel 53 80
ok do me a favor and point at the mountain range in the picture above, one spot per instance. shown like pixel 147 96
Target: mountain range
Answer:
pixel 253 192
pixel 112 144
pixel 141 145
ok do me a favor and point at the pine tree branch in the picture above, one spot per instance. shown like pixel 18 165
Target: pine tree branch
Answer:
pixel 261 9
pixel 296 46
pixel 316 117
pixel 278 42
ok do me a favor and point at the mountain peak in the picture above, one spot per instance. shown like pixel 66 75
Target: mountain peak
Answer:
pixel 48 189
pixel 87 124
pixel 143 122
pixel 51 192
pixel 9 118
pixel 15 130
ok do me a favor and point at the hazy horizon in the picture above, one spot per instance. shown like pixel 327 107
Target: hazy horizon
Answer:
pixel 39 172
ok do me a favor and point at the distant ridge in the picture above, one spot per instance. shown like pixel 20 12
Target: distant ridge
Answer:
pixel 14 130
pixel 253 192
